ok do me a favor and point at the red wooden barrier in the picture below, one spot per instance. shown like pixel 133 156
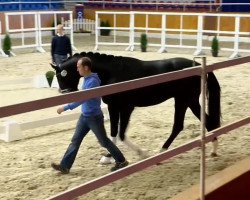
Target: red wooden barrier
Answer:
pixel 231 183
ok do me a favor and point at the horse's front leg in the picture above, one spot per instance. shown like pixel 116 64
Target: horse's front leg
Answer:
pixel 180 110
pixel 114 122
pixel 196 109
pixel 125 115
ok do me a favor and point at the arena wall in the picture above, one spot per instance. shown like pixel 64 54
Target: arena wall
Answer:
pixel 190 22
pixel 231 183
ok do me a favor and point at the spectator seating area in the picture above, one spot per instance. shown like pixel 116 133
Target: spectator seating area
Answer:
pixel 172 5
pixel 25 5
pixel 236 8
pixel 169 5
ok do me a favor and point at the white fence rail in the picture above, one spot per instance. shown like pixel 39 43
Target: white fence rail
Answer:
pixel 38 81
pixel 12 130
pixel 37 30
pixel 81 24
pixel 199 35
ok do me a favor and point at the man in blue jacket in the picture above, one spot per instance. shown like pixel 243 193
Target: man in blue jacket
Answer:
pixel 91 119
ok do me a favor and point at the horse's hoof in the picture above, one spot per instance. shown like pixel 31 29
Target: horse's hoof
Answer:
pixel 214 154
pixel 159 163
pixel 107 160
pixel 162 150
pixel 108 155
pixel 143 154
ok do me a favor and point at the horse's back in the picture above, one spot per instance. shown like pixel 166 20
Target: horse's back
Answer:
pixel 169 65
pixel 135 68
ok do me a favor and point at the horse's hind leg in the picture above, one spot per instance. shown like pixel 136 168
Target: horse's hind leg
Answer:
pixel 125 115
pixel 114 122
pixel 196 109
pixel 180 110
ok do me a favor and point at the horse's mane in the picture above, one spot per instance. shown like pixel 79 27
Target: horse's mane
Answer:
pixel 98 55
pixel 102 57
pixel 113 60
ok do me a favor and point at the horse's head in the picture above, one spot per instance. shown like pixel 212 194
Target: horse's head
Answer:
pixel 67 74
pixel 105 65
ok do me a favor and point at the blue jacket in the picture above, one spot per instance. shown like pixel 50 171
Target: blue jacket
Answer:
pixel 90 107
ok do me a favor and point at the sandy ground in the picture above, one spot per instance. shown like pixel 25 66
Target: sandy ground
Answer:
pixel 25 171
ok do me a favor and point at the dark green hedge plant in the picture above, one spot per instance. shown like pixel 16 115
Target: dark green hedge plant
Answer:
pixel 50 75
pixel 105 32
pixel 144 42
pixel 6 44
pixel 215 47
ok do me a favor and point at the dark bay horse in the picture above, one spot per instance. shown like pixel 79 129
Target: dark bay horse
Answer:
pixel 113 69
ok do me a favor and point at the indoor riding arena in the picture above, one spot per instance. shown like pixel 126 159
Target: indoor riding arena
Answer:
pixel 33 135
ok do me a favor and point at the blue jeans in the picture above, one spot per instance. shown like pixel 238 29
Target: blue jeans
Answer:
pixel 58 59
pixel 84 125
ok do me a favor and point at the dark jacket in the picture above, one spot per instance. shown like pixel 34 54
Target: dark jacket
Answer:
pixel 61 45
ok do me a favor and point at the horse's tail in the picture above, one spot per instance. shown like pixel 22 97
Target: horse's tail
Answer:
pixel 214 107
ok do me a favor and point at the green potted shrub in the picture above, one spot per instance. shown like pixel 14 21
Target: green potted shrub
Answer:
pixel 144 42
pixel 105 32
pixel 7 44
pixel 50 75
pixel 215 46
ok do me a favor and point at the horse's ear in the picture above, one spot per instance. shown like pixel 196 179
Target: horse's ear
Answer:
pixel 83 53
pixel 55 67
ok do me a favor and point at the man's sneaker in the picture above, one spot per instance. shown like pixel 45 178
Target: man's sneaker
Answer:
pixel 59 168
pixel 119 165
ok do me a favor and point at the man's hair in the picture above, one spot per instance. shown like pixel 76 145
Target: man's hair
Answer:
pixel 86 62
pixel 59 27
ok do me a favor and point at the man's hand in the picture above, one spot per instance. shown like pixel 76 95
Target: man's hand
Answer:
pixel 60 110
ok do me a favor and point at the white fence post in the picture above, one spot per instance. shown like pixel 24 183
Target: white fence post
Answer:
pixel 163 34
pixel 236 38
pixel 12 131
pixel 199 36
pixel 131 46
pixel 203 130
pixel 1 50
pixel 71 32
pixel 97 30
pixel 39 34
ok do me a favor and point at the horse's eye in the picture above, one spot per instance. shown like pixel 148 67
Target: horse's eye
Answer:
pixel 63 73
